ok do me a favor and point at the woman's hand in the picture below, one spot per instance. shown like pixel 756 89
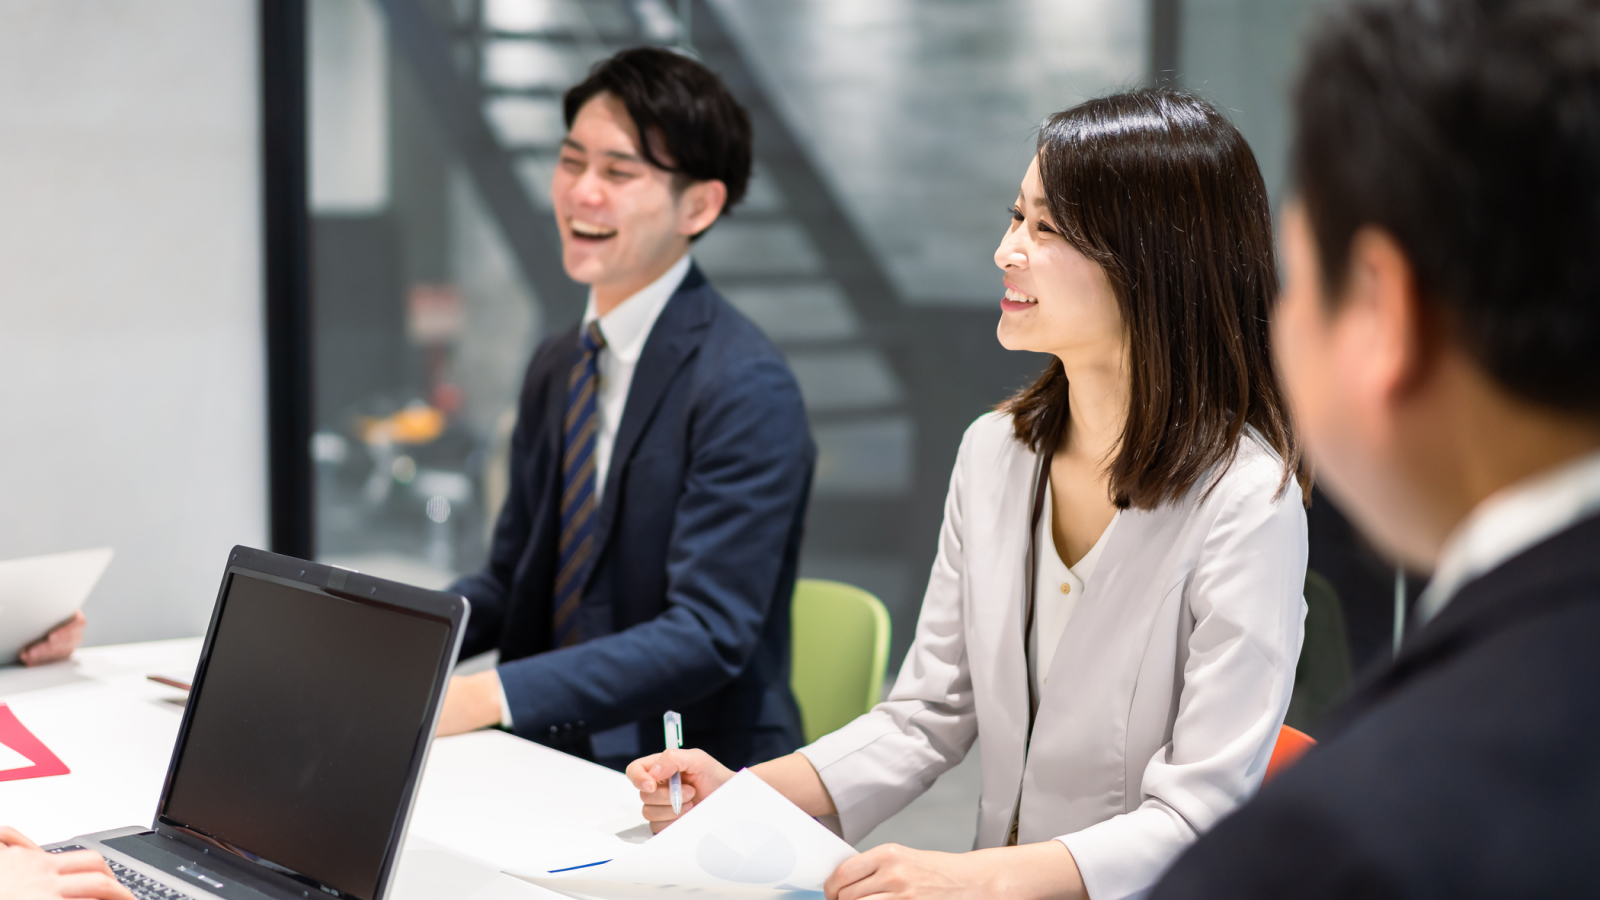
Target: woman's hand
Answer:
pixel 792 776
pixel 699 773
pixel 28 873
pixel 58 644
pixel 1044 871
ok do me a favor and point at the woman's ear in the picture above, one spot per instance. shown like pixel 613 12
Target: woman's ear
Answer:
pixel 700 205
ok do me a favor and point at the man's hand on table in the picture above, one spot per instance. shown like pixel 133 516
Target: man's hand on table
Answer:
pixel 471 702
pixel 28 873
pixel 58 644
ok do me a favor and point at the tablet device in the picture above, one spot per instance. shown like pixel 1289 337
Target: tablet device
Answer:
pixel 37 593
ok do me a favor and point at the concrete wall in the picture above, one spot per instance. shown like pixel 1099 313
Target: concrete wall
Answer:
pixel 131 347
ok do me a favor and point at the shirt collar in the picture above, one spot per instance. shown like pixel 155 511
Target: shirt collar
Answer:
pixel 628 323
pixel 1509 522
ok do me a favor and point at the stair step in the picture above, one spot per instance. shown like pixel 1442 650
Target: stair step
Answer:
pixel 871 458
pixel 758 248
pixel 526 123
pixel 559 19
pixel 813 310
pixel 845 378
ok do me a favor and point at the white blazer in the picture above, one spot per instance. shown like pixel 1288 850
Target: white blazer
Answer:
pixel 1166 692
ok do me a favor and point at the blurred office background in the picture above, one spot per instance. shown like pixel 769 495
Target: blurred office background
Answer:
pixel 890 140
pixel 270 272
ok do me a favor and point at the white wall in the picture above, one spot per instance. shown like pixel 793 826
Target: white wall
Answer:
pixel 131 348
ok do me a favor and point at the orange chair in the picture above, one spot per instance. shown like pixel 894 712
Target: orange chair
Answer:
pixel 1292 743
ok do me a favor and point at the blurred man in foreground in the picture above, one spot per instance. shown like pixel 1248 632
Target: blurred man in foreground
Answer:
pixel 1440 341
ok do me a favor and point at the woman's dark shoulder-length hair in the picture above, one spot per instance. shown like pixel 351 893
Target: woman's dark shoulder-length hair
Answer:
pixel 1161 191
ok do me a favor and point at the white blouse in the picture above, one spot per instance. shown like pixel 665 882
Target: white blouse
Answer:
pixel 1057 590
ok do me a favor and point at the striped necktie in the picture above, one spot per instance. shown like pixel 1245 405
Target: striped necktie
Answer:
pixel 577 486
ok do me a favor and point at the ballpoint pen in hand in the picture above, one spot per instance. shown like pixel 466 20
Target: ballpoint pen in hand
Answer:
pixel 673 724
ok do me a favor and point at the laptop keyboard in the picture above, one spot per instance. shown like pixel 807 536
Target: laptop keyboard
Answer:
pixel 139 884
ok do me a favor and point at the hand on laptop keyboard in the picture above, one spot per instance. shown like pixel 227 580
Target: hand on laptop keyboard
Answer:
pixel 29 873
pixel 143 886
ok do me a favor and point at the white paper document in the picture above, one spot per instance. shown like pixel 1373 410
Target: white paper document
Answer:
pixel 745 842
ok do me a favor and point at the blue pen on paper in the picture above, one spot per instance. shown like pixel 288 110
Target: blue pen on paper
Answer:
pixel 580 866
pixel 672 723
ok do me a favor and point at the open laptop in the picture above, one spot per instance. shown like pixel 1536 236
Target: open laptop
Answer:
pixel 312 710
pixel 37 593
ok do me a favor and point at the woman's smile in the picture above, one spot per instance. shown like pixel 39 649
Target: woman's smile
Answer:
pixel 1016 301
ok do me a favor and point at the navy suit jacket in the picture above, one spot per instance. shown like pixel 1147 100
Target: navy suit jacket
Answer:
pixel 1467 768
pixel 687 604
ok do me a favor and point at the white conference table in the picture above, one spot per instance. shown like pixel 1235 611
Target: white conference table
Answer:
pixel 488 801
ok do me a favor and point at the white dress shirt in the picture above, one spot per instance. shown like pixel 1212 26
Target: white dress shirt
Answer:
pixel 1165 693
pixel 1509 522
pixel 1058 589
pixel 626 328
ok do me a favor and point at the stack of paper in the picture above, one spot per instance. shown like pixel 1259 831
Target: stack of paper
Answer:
pixel 745 842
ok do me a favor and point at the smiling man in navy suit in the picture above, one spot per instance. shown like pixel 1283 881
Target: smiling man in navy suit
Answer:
pixel 645 558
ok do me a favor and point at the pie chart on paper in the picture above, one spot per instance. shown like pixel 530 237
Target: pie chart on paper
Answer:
pixel 746 853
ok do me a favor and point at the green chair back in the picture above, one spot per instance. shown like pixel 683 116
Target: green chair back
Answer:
pixel 1324 670
pixel 840 652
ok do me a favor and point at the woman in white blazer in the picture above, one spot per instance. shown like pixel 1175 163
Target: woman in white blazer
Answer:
pixel 1115 610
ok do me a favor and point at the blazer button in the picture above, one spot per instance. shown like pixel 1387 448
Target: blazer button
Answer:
pixel 580 723
pixel 554 729
pixel 1066 588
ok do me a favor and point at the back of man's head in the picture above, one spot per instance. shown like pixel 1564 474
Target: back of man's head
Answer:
pixel 1470 131
pixel 688 122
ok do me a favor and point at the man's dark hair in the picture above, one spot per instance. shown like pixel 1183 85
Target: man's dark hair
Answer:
pixel 688 123
pixel 1161 191
pixel 1469 130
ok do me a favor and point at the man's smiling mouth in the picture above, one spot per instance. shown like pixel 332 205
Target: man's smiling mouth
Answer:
pixel 590 231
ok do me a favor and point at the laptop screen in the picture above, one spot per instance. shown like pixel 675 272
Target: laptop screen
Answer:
pixel 304 725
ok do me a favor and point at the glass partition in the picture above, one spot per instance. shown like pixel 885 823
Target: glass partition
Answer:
pixel 424 314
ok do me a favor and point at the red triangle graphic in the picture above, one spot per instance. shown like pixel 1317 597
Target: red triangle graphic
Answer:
pixel 17 736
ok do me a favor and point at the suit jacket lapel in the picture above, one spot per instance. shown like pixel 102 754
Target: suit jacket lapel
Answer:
pixel 527 628
pixel 548 479
pixel 674 338
pixel 1528 585
pixel 995 624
